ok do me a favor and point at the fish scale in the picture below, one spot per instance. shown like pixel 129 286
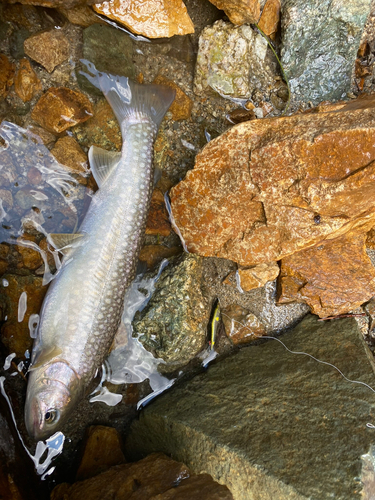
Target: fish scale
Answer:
pixel 83 306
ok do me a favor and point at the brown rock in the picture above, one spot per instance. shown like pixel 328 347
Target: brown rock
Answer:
pixel 240 11
pixel 34 176
pixel 241 115
pixel 333 278
pixel 15 334
pixel 158 219
pixel 102 450
pixel 61 108
pixel 370 239
pixel 256 276
pixel 32 258
pixel 68 152
pixel 268 188
pixel 55 3
pixel 370 309
pixel 25 16
pixel 151 18
pixel 26 84
pixel 240 325
pixel 182 104
pixel 201 487
pixel 82 15
pixel 270 18
pixel 153 254
pixel 7 70
pixel 46 137
pixel 102 130
pixel 6 198
pixel 49 48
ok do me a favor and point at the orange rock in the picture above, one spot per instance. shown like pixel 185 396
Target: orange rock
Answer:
pixel 270 18
pixel 7 70
pixel 240 325
pixel 370 239
pixel 26 84
pixel 158 219
pixel 61 108
pixel 182 104
pixel 151 18
pixel 153 254
pixel 256 276
pixel 54 3
pixel 46 137
pixel 240 11
pixel 68 152
pixel 268 188
pixel 49 48
pixel 333 278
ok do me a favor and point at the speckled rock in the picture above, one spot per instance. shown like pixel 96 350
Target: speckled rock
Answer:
pixel 7 70
pixel 49 48
pixel 26 83
pixel 151 255
pixel 156 477
pixel 68 152
pixel 320 40
pixel 61 108
pixel 254 277
pixel 241 326
pixel 334 277
pixel 270 18
pixel 270 424
pixel 182 105
pixel 102 450
pixel 309 178
pixel 158 218
pixel 15 334
pixel 173 324
pixel 234 61
pixel 151 18
pixel 102 130
pixel 240 11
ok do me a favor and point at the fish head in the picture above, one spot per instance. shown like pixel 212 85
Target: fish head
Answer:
pixel 52 392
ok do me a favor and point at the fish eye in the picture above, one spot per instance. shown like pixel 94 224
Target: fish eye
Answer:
pixel 51 416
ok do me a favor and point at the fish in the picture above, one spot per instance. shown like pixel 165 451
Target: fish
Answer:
pixel 83 306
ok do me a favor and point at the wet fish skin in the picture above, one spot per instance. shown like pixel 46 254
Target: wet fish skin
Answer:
pixel 83 306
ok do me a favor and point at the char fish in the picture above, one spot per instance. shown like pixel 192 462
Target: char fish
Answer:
pixel 83 306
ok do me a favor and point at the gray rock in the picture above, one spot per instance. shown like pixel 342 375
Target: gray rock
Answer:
pixel 274 425
pixel 173 326
pixel 234 61
pixel 320 39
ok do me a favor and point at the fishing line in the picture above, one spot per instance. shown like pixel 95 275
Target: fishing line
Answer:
pixel 369 425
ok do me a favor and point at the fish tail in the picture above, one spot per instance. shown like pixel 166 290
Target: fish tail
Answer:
pixel 129 99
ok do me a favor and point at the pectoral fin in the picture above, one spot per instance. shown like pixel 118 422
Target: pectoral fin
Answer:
pixel 65 242
pixel 45 356
pixel 102 163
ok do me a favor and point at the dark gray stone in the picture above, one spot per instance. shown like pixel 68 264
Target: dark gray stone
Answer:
pixel 270 424
pixel 320 40
pixel 173 326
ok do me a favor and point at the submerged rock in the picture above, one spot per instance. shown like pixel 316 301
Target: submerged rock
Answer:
pixel 155 477
pixel 271 424
pixel 320 40
pixel 158 218
pixel 153 254
pixel 240 11
pixel 7 70
pixel 153 19
pixel 173 325
pixel 268 188
pixel 241 326
pixel 26 84
pixel 49 48
pixel 333 278
pixel 234 61
pixel 61 108
pixel 182 105
pixel 68 153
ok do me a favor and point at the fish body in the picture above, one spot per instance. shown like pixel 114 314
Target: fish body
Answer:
pixel 83 306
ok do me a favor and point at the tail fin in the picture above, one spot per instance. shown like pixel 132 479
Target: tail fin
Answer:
pixel 128 98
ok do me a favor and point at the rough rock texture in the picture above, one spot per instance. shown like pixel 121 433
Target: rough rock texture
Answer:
pixel 151 255
pixel 173 325
pixel 240 11
pixel 61 108
pixel 333 278
pixel 49 48
pixel 7 70
pixel 151 18
pixel 240 325
pixel 102 450
pixel 271 424
pixel 26 83
pixel 254 277
pixel 156 477
pixel 158 218
pixel 81 15
pixel 270 18
pixel 268 188
pixel 68 152
pixel 320 39
pixel 182 105
pixel 233 61
pixel 15 334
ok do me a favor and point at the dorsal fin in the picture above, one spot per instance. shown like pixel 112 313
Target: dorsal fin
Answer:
pixel 102 163
pixel 64 242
